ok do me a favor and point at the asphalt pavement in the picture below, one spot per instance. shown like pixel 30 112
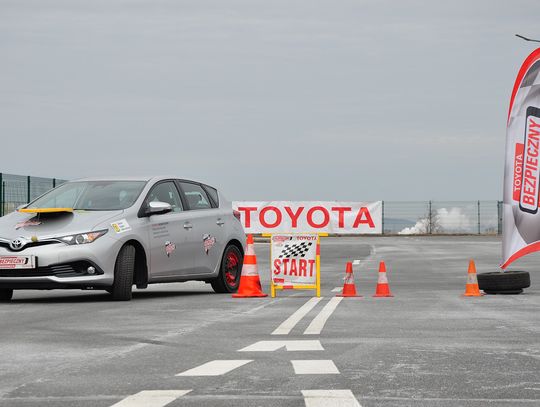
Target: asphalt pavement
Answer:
pixel 183 345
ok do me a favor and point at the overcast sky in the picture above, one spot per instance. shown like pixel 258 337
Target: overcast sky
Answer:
pixel 305 100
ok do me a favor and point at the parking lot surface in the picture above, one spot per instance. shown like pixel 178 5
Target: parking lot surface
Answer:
pixel 183 345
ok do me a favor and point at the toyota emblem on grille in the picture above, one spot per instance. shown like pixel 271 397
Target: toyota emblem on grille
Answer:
pixel 17 244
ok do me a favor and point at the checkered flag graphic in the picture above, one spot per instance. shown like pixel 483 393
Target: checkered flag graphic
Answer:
pixel 295 250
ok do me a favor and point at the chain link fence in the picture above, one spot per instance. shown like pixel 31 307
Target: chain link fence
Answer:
pixel 399 217
pixel 17 190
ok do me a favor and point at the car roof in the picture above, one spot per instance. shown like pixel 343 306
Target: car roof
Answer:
pixel 136 178
pixel 115 178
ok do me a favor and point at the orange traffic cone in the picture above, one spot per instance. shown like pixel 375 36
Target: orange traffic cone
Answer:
pixel 250 284
pixel 471 288
pixel 383 289
pixel 349 289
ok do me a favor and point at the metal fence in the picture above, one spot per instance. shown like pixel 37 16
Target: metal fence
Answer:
pixel 399 217
pixel 16 190
pixel 442 217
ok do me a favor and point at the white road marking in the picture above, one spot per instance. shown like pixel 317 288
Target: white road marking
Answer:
pixel 300 313
pixel 151 398
pixel 338 289
pixel 215 368
pixel 314 367
pixel 290 346
pixel 330 398
pixel 319 321
pixel 356 262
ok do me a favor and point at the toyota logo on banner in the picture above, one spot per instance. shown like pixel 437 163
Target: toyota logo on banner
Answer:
pixel 17 244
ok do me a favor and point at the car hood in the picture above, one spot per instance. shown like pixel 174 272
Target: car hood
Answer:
pixel 18 224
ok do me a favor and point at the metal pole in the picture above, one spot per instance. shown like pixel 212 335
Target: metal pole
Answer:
pixel 1 195
pixel 478 217
pixel 429 217
pixel 499 217
pixel 28 189
pixel 382 230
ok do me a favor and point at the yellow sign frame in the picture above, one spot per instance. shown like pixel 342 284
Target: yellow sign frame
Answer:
pixel 317 286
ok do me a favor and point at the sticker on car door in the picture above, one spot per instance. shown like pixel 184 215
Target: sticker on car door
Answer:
pixel 208 242
pixel 169 248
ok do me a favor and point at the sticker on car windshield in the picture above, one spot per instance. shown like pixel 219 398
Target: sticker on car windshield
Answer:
pixel 26 223
pixel 169 248
pixel 121 226
pixel 208 242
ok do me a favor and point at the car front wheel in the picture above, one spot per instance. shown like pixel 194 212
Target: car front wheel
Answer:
pixel 229 274
pixel 123 274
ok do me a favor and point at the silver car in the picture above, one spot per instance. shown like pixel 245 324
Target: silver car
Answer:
pixel 113 233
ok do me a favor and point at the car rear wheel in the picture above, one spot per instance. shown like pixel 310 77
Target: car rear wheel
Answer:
pixel 6 295
pixel 229 274
pixel 123 274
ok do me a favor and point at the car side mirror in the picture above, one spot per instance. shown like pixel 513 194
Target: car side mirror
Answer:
pixel 158 208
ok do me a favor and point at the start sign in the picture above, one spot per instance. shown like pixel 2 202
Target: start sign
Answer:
pixel 295 262
pixel 311 217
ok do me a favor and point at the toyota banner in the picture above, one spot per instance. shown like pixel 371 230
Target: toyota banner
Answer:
pixel 311 217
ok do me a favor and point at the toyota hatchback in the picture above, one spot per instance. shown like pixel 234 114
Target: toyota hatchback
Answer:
pixel 113 233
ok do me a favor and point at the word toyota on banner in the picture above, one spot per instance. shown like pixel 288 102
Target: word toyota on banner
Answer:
pixel 311 217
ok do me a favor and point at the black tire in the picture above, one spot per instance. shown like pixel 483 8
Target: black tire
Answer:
pixel 6 295
pixel 504 281
pixel 228 279
pixel 504 292
pixel 123 274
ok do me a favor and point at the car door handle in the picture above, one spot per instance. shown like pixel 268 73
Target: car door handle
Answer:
pixel 188 225
pixel 220 222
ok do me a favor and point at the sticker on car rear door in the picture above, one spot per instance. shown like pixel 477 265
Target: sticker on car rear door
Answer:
pixel 121 226
pixel 208 242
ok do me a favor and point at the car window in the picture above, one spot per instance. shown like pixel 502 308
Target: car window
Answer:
pixel 62 197
pixel 166 192
pixel 213 193
pixel 92 195
pixel 196 197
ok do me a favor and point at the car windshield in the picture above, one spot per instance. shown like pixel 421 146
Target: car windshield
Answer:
pixel 91 195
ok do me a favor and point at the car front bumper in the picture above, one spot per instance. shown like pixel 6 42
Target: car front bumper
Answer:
pixel 63 266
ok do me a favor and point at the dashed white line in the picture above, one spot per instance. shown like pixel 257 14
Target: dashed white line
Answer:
pixel 151 398
pixel 290 346
pixel 215 368
pixel 330 398
pixel 319 321
pixel 300 313
pixel 337 290
pixel 314 367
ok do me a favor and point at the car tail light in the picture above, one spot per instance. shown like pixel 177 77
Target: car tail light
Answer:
pixel 236 214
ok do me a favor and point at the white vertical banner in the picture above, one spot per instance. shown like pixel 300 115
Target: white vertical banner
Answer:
pixel 310 217
pixel 521 217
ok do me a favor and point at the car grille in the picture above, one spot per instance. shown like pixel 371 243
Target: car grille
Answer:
pixel 76 269
pixel 31 244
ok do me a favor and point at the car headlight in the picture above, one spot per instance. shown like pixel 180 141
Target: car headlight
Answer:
pixel 82 238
